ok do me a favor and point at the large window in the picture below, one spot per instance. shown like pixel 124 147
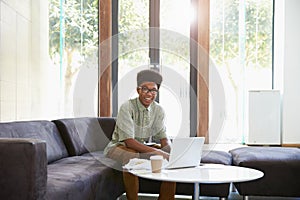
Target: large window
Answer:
pixel 173 60
pixel 73 49
pixel 241 48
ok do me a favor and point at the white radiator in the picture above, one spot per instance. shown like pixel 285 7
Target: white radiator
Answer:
pixel 264 118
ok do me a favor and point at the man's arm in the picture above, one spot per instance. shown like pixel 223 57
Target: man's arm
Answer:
pixel 133 144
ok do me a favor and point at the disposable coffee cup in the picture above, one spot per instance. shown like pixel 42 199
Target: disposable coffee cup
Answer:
pixel 156 163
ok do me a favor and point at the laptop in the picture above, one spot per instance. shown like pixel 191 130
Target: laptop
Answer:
pixel 185 152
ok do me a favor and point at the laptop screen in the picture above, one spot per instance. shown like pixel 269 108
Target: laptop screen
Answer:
pixel 185 152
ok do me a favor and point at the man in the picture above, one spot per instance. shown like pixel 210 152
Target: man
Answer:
pixel 140 120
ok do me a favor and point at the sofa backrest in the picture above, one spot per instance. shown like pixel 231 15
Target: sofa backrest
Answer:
pixel 85 134
pixel 44 130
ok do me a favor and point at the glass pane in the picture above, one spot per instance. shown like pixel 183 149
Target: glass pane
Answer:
pixel 73 49
pixel 241 49
pixel 174 55
pixel 175 16
pixel 133 45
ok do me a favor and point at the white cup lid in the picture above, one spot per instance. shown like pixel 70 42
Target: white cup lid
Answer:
pixel 156 157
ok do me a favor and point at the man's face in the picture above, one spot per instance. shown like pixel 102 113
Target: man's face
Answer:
pixel 147 93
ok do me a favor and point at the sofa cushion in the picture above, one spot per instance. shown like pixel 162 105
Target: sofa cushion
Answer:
pixel 83 177
pixel 264 154
pixel 216 157
pixel 86 134
pixel 44 130
pixel 100 157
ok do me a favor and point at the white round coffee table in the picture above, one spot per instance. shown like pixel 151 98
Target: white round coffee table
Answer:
pixel 207 173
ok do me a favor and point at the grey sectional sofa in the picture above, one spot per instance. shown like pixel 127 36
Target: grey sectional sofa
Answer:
pixel 63 160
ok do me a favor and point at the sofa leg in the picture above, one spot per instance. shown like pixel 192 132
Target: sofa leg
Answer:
pixel 245 197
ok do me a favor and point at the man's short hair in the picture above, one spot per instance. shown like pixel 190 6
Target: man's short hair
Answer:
pixel 149 75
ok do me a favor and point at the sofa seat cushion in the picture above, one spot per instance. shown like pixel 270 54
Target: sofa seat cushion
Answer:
pixel 83 177
pixel 43 130
pixel 99 156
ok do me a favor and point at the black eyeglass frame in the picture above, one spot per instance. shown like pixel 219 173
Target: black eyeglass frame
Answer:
pixel 145 90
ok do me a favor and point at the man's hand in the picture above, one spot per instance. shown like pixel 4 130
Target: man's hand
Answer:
pixel 141 148
pixel 166 155
pixel 165 145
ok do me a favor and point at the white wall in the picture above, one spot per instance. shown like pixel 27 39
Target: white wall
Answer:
pixel 24 68
pixel 291 88
pixel 15 45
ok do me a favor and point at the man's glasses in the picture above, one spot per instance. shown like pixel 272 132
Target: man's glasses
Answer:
pixel 145 90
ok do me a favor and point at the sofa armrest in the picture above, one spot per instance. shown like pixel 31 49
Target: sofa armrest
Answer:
pixel 23 168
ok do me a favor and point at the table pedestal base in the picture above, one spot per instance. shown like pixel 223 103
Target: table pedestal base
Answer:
pixel 196 191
